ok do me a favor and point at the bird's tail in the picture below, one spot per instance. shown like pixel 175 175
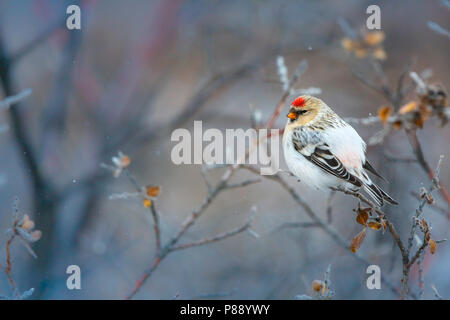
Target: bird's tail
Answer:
pixel 377 194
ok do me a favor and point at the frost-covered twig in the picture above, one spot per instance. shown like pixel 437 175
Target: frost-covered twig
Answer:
pixel 11 100
pixel 436 292
pixel 149 194
pixel 408 260
pixel 283 75
pixel 22 229
pixel 321 288
pixel 421 86
pixel 298 73
pixel 364 121
pixel 427 194
pixel 172 244
pixel 218 237
pixel 283 72
pixel 316 220
pixel 409 117
pixel 417 221
pixel 438 29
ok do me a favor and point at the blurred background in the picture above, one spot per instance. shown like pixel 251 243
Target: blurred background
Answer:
pixel 138 70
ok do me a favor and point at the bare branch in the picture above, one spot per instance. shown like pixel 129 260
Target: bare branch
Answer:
pixel 317 220
pixel 216 238
pixel 346 28
pixel 171 245
pixel 434 186
pixel 390 226
pixel 299 71
pixel 438 29
pixel 404 250
pixel 11 100
pixel 418 152
pixel 436 292
pixel 437 208
pixel 242 184
pixel 156 227
pixel 289 225
pixel 421 280
pixel 38 40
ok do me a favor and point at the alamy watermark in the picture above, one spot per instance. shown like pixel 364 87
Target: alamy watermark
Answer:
pixel 373 22
pixel 234 146
pixel 73 21
pixel 374 280
pixel 74 280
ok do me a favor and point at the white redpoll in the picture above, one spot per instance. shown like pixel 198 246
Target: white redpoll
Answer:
pixel 324 151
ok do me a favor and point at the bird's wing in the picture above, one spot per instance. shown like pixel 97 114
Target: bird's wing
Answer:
pixel 371 169
pixel 319 153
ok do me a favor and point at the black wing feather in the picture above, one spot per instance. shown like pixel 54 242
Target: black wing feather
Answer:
pixel 371 169
pixel 323 158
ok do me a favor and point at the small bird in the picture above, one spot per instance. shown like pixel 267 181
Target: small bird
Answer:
pixel 324 151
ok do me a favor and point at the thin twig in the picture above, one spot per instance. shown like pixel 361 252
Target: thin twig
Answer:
pixel 218 237
pixel 329 230
pixel 8 268
pixel 330 207
pixel 421 280
pixel 389 224
pixel 395 98
pixel 417 256
pixel 436 292
pixel 433 186
pixel 156 227
pixel 433 205
pixel 243 183
pixel 300 70
pixel 404 250
pixel 289 225
pixel 11 100
pixel 37 40
pixel 417 150
pixel 154 212
pixel 171 245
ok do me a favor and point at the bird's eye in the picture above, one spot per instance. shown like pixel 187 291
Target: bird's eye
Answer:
pixel 295 113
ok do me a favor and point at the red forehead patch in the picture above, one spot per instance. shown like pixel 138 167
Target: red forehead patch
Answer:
pixel 299 102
